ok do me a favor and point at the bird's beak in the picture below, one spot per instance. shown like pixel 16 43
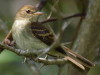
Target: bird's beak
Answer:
pixel 38 13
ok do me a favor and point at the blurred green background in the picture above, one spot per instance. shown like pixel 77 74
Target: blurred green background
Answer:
pixel 12 64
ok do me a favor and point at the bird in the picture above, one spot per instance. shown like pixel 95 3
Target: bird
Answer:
pixel 29 34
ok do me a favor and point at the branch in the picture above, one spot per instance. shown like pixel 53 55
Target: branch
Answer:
pixel 31 53
pixel 77 30
pixel 41 4
pixel 57 61
pixel 21 52
pixel 32 66
pixel 65 18
pixel 88 38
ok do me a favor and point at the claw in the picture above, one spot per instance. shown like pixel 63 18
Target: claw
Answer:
pixel 6 42
pixel 9 42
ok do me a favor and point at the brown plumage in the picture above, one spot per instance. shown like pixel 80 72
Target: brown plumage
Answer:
pixel 28 34
pixel 42 33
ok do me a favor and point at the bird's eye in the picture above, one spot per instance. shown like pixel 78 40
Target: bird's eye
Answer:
pixel 28 11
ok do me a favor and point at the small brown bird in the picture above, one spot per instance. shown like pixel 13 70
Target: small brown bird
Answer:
pixel 30 34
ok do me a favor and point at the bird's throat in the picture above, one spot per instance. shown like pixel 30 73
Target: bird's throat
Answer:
pixel 21 23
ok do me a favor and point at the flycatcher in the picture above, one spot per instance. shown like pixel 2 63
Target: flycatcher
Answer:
pixel 32 35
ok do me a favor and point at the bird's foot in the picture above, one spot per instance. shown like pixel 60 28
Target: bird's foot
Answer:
pixel 9 43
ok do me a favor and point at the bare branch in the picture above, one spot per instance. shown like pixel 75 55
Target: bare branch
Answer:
pixel 41 4
pixel 52 61
pixel 21 52
pixel 65 18
pixel 88 38
pixel 32 66
pixel 31 53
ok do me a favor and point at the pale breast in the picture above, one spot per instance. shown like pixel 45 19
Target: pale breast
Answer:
pixel 23 39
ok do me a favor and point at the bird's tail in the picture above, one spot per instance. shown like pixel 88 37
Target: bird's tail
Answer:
pixel 75 62
pixel 77 59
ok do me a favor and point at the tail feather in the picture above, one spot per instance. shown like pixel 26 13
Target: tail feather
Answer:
pixel 75 62
pixel 79 58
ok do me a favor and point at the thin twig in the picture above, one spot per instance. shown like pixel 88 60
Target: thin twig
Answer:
pixel 31 64
pixel 41 4
pixel 77 30
pixel 20 51
pixel 57 61
pixel 65 18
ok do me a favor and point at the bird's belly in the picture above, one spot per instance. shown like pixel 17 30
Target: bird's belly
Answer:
pixel 27 41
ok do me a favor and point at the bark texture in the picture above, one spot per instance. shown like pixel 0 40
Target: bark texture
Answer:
pixel 87 42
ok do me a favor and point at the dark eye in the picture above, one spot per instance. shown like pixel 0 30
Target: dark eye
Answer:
pixel 28 11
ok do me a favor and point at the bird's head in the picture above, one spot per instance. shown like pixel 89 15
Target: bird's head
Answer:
pixel 28 12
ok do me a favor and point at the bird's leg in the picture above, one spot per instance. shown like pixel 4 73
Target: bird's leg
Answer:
pixel 9 39
pixel 42 52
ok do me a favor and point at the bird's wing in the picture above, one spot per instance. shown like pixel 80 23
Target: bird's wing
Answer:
pixel 42 33
pixel 45 35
